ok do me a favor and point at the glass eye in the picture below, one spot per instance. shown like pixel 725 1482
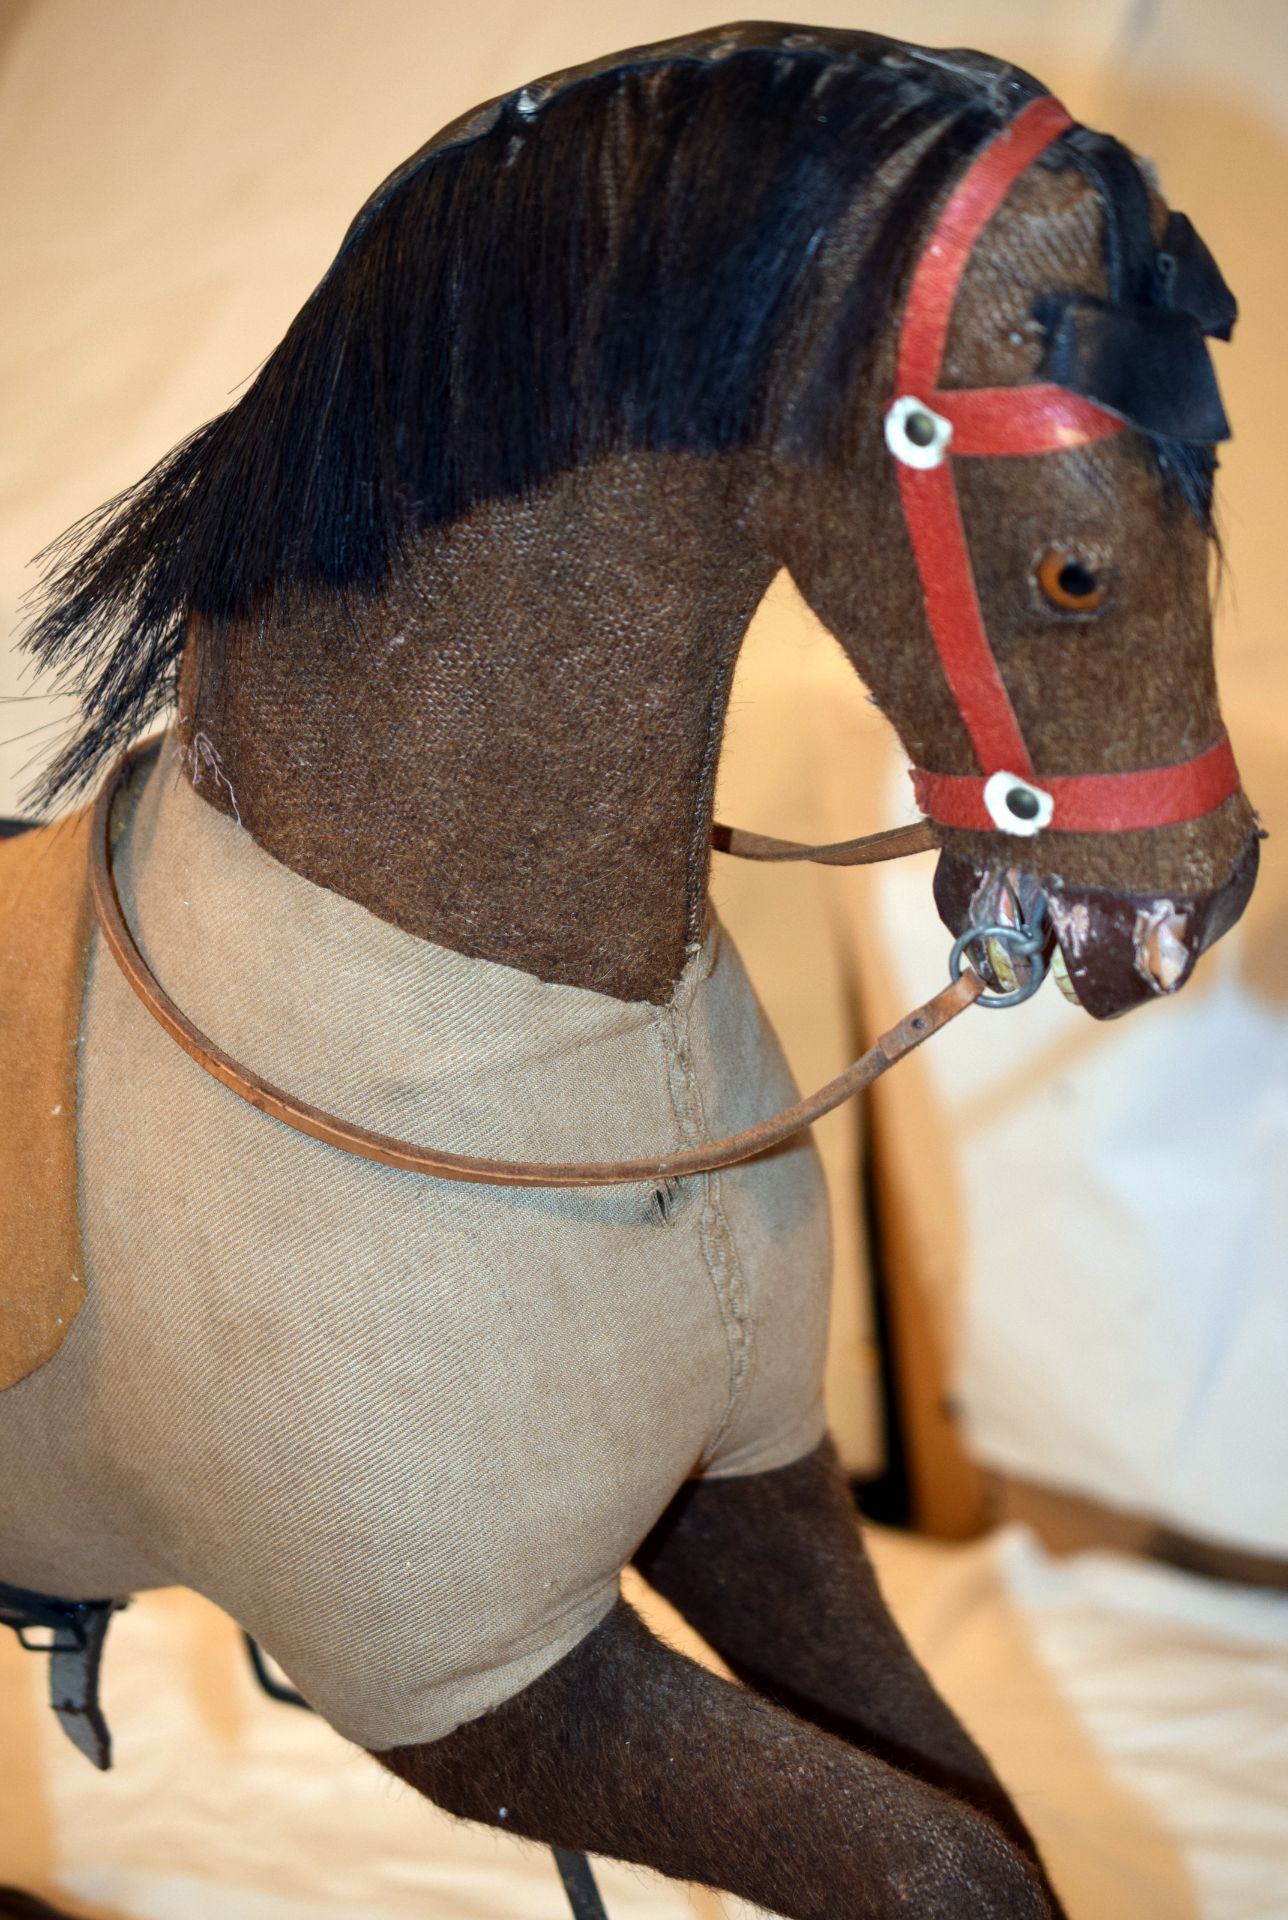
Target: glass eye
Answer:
pixel 1069 583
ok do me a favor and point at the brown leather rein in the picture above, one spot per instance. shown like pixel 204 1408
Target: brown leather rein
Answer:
pixel 368 1145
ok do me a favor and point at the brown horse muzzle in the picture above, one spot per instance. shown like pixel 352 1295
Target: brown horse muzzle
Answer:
pixel 1116 950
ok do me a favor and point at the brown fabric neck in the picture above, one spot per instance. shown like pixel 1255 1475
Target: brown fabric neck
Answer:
pixel 511 748
pixel 305 1118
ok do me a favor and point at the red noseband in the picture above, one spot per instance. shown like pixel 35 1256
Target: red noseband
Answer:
pixel 925 426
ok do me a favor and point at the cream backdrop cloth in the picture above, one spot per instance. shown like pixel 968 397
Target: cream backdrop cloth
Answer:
pixel 407 1431
pixel 1139 1715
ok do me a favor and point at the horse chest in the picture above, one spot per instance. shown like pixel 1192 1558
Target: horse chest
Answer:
pixel 362 1409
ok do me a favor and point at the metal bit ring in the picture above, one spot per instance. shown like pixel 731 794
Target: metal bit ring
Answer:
pixel 1024 941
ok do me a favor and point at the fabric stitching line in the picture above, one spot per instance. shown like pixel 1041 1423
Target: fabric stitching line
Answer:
pixel 718 1249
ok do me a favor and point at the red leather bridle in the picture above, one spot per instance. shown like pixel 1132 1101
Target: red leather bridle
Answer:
pixel 926 426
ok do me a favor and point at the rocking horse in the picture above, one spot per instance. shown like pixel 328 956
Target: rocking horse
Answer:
pixel 407 1217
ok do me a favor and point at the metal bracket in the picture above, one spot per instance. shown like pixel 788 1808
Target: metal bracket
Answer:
pixel 579 1885
pixel 76 1631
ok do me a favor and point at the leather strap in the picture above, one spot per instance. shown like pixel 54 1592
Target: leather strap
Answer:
pixel 934 520
pixel 929 494
pixel 1098 802
pixel 1001 422
pixel 1007 422
pixel 893 844
pixel 303 1117
pixel 970 207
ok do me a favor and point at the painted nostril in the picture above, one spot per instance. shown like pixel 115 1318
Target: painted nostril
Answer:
pixel 1161 947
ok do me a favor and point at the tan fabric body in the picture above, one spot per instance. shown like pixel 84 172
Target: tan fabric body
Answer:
pixel 45 924
pixel 407 1431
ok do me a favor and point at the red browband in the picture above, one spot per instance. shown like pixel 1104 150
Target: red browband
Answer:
pixel 992 422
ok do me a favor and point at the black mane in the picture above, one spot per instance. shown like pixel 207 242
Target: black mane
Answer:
pixel 604 263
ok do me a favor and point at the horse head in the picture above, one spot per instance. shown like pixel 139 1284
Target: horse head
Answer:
pixel 1006 521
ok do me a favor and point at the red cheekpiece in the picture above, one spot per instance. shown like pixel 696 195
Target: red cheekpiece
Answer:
pixel 1006 422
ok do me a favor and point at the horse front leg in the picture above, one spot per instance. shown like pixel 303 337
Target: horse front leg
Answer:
pixel 771 1570
pixel 627 1748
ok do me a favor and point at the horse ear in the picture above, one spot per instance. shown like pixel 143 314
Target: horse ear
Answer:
pixel 1190 281
pixel 1150 367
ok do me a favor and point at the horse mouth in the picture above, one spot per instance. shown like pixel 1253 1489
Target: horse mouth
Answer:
pixel 1108 951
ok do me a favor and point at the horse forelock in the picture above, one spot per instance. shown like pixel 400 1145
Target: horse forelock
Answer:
pixel 1130 199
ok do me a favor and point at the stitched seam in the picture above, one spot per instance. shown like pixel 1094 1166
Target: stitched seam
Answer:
pixel 699 855
pixel 718 1250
